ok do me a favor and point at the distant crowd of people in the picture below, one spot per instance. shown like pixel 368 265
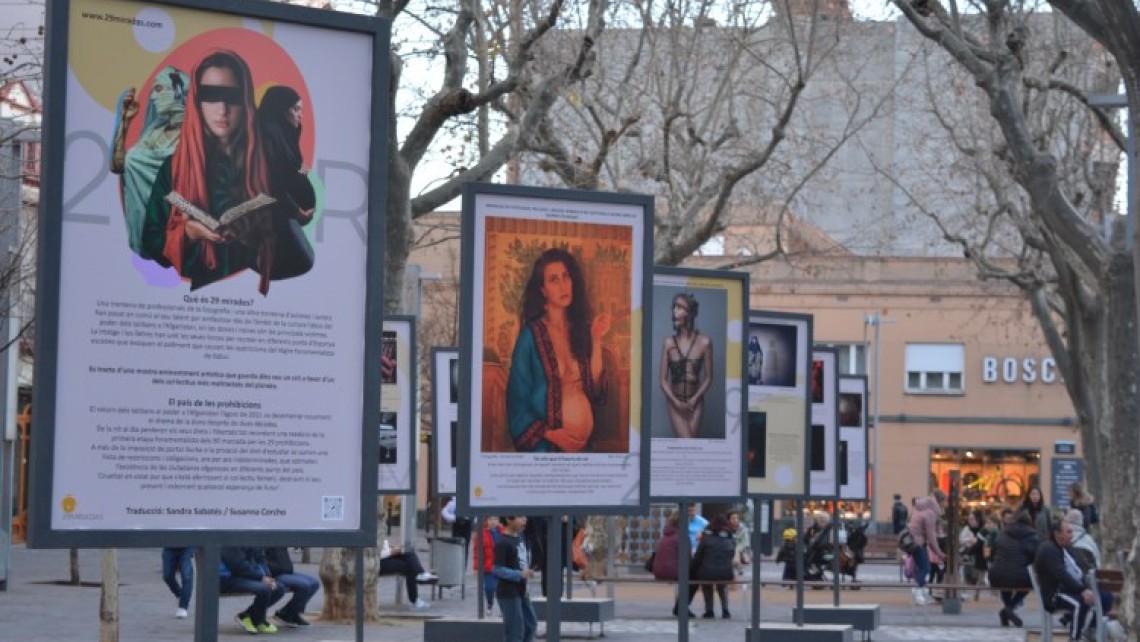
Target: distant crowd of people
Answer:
pixel 1000 546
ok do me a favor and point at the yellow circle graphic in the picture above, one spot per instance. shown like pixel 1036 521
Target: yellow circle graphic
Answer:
pixel 478 491
pixel 68 504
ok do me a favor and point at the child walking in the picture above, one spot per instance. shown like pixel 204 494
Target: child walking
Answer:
pixel 512 569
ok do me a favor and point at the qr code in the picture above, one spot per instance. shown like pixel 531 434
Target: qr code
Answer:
pixel 332 508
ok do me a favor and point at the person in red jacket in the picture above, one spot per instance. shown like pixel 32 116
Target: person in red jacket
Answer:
pixel 489 538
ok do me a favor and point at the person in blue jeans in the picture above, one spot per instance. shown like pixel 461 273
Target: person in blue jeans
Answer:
pixel 175 562
pixel 244 569
pixel 303 587
pixel 512 568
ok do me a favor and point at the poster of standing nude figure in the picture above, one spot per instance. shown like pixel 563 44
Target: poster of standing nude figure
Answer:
pixel 699 401
pixel 555 287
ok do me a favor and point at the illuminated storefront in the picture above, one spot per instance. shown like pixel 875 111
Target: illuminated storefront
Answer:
pixel 991 477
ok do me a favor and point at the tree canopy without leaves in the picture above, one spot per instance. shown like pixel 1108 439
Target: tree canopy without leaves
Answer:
pixel 1044 164
pixel 722 110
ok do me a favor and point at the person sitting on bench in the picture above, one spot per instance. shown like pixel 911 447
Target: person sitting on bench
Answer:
pixel 244 570
pixel 1062 585
pixel 303 587
pixel 396 561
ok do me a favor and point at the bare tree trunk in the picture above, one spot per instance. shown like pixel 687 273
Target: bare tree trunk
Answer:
pixel 73 566
pixel 109 596
pixel 338 577
pixel 601 546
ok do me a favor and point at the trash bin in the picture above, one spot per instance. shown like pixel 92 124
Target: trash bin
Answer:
pixel 447 560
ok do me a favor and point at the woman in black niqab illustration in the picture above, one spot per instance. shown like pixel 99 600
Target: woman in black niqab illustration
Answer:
pixel 279 117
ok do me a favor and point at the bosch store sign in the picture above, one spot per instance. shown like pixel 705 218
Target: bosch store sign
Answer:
pixel 1013 370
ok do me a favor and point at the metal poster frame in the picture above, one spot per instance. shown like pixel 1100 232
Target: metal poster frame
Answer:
pixel 404 405
pixel 857 385
pixel 616 230
pixel 668 281
pixel 443 409
pixel 73 37
pixel 791 399
pixel 824 484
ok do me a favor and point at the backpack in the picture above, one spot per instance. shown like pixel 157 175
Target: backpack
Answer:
pixel 906 542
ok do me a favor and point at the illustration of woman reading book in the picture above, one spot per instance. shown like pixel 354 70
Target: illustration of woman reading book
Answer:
pixel 217 172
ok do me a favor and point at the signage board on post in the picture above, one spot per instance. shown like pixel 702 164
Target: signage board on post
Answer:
pixel 206 365
pixel 778 367
pixel 853 438
pixel 396 441
pixel 698 398
pixel 556 291
pixel 1066 471
pixel 823 443
pixel 445 417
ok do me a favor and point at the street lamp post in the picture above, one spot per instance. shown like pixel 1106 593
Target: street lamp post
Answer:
pixel 876 320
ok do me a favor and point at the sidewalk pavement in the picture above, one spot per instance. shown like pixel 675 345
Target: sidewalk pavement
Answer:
pixel 37 607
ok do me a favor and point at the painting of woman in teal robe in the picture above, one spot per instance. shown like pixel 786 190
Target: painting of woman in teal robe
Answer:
pixel 558 377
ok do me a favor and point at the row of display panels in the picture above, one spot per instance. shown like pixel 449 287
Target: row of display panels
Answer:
pixel 209 289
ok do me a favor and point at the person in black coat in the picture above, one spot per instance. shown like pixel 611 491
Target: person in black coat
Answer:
pixel 1062 585
pixel 303 587
pixel 713 563
pixel 1014 550
pixel 244 569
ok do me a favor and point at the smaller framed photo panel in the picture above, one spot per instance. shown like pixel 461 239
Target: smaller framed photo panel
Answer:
pixel 853 437
pixel 778 365
pixel 698 398
pixel 445 417
pixel 824 441
pixel 556 293
pixel 397 426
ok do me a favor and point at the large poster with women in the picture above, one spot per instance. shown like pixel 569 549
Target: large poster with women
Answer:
pixel 697 364
pixel 778 370
pixel 555 296
pixel 210 305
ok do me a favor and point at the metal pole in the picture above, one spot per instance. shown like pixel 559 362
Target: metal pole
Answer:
pixel 567 532
pixel 206 594
pixel 359 595
pixel 479 577
pixel 757 509
pixel 10 158
pixel 835 565
pixel 552 579
pixel 684 553
pixel 799 620
pixel 875 472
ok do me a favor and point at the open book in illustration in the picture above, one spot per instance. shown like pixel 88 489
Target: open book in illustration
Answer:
pixel 238 222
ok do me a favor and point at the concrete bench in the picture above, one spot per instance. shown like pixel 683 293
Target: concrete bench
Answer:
pixel 468 630
pixel 581 609
pixel 862 617
pixel 806 633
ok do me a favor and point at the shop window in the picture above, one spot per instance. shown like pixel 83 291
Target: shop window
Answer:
pixel 991 478
pixel 935 368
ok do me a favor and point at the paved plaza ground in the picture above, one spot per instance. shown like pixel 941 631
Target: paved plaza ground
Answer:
pixel 37 607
